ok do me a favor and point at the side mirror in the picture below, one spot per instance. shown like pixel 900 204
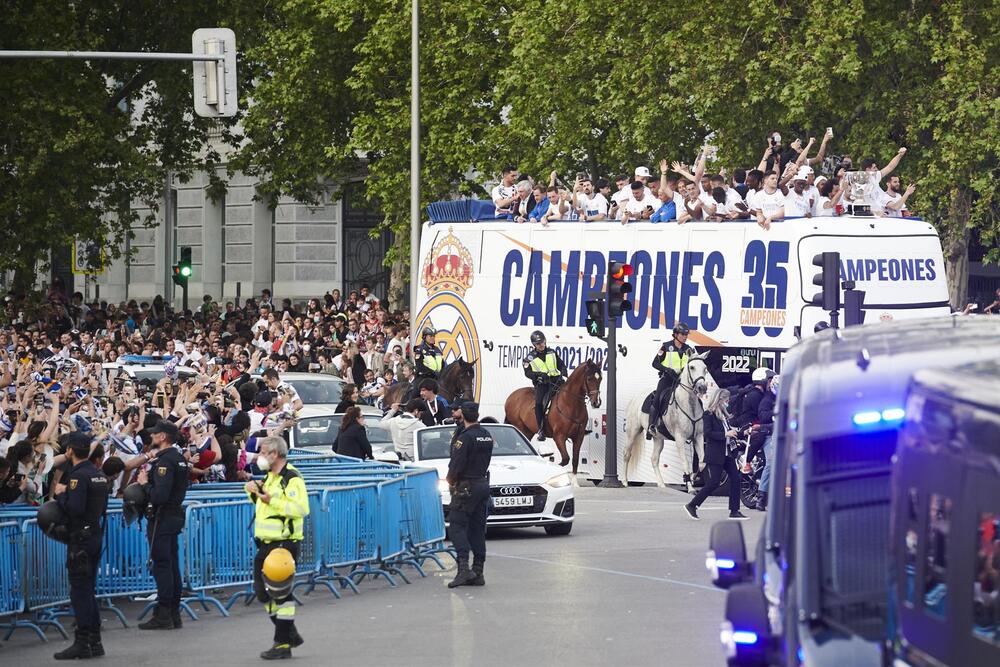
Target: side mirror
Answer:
pixel 726 559
pixel 746 634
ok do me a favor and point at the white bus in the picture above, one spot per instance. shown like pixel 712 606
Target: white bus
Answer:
pixel 744 291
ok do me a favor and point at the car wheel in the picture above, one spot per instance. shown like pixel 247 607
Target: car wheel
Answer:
pixel 559 528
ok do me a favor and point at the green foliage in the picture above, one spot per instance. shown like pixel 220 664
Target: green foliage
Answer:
pixel 82 140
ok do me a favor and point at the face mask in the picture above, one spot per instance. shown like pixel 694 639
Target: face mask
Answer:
pixel 317 318
pixel 263 463
pixel 306 347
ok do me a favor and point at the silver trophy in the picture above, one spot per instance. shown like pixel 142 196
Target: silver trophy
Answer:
pixel 856 184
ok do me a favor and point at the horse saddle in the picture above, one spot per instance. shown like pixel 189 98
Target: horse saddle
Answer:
pixel 647 409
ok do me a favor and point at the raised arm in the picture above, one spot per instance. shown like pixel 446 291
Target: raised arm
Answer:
pixel 762 165
pixel 822 148
pixel 893 163
pixel 900 203
pixel 681 168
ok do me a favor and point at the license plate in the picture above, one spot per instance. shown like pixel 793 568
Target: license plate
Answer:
pixel 514 501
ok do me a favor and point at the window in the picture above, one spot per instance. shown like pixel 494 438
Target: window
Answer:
pixel 912 544
pixel 986 586
pixel 936 566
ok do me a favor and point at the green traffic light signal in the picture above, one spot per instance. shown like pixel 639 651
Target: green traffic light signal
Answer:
pixel 186 271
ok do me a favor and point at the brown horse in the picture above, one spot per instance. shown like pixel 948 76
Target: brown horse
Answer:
pixel 567 418
pixel 457 383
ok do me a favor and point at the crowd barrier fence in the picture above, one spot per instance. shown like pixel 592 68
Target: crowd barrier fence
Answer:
pixel 366 520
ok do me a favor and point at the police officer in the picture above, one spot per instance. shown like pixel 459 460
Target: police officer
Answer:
pixel 669 361
pixel 281 504
pixel 469 483
pixel 429 362
pixel 166 483
pixel 547 371
pixel 84 499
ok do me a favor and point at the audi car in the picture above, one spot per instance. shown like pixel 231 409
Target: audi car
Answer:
pixel 525 488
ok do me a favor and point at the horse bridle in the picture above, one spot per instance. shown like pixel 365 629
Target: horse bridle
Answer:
pixel 690 389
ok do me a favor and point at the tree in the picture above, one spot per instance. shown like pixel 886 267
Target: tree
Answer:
pixel 924 75
pixel 80 141
pixel 332 101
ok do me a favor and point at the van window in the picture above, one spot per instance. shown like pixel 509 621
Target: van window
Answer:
pixel 936 565
pixel 986 587
pixel 912 545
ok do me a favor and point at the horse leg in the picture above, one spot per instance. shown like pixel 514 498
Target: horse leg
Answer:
pixel 657 451
pixel 699 447
pixel 560 441
pixel 629 446
pixel 577 444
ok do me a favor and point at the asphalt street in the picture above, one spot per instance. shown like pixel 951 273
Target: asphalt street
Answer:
pixel 627 587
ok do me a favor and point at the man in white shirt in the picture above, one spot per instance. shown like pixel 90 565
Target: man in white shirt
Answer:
pixel 503 194
pixel 620 196
pixel 769 203
pixel 401 425
pixel 641 205
pixel 595 207
pixel 798 202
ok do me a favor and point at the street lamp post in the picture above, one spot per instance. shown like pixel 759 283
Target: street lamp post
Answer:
pixel 414 166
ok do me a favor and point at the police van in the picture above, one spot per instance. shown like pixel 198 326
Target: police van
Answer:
pixel 817 592
pixel 744 291
pixel 945 540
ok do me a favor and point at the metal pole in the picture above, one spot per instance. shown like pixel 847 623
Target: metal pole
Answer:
pixel 414 167
pixel 611 442
pixel 111 55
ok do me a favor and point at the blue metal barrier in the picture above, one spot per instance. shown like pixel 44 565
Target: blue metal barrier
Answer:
pixel 11 598
pixel 425 517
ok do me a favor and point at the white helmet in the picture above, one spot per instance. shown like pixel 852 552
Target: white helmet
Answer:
pixel 761 374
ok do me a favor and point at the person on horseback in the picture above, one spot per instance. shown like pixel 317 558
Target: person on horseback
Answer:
pixel 429 361
pixel 669 361
pixel 547 371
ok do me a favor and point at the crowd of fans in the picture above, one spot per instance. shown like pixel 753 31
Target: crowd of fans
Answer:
pixel 783 185
pixel 221 382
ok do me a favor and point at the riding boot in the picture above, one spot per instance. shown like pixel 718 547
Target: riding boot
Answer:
pixel 79 649
pixel 96 647
pixel 175 617
pixel 477 570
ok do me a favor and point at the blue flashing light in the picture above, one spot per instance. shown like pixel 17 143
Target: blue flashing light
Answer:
pixel 793 425
pixel 869 417
pixel 893 414
pixel 745 637
pixel 725 563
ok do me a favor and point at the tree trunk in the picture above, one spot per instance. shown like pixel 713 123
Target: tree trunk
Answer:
pixel 956 250
pixel 399 282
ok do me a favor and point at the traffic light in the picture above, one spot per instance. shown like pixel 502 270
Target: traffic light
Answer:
pixel 828 278
pixel 618 289
pixel 182 269
pixel 595 318
pixel 854 301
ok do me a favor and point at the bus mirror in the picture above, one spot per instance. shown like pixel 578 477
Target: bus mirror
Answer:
pixel 745 634
pixel 726 559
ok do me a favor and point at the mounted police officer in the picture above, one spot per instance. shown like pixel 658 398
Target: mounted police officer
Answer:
pixel 84 499
pixel 547 371
pixel 281 504
pixel 669 361
pixel 469 483
pixel 429 361
pixel 166 484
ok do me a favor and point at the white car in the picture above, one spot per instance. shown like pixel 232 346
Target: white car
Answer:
pixel 526 489
pixel 318 390
pixel 141 371
pixel 316 429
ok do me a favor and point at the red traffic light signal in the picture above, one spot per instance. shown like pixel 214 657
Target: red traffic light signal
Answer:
pixel 618 289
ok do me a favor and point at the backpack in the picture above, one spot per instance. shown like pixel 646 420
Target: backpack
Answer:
pixel 735 406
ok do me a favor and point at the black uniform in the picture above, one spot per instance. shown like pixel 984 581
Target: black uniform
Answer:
pixel 168 483
pixel 718 461
pixel 471 451
pixel 765 417
pixel 419 369
pixel 545 385
pixel 85 502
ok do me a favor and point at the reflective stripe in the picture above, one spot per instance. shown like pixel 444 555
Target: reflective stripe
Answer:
pixel 286 611
pixel 549 365
pixel 282 518
pixel 271 607
pixel 432 362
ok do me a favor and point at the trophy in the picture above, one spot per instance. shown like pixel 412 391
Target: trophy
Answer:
pixel 856 184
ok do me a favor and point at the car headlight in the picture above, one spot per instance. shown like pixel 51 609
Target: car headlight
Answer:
pixel 560 480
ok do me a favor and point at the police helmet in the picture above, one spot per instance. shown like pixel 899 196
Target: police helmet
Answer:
pixel 278 573
pixel 53 521
pixel 427 332
pixel 537 337
pixel 775 384
pixel 682 329
pixel 761 375
pixel 135 500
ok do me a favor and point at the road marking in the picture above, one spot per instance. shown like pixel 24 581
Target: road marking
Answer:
pixel 665 580
pixel 633 511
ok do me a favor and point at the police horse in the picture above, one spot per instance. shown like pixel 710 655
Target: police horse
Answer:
pixel 567 415
pixel 683 419
pixel 456 384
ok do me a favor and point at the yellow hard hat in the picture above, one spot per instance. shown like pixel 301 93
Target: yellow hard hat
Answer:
pixel 279 566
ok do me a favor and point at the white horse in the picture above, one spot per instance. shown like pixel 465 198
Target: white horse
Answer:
pixel 683 419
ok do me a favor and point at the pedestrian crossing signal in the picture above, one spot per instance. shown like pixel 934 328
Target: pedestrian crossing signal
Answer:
pixel 595 318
